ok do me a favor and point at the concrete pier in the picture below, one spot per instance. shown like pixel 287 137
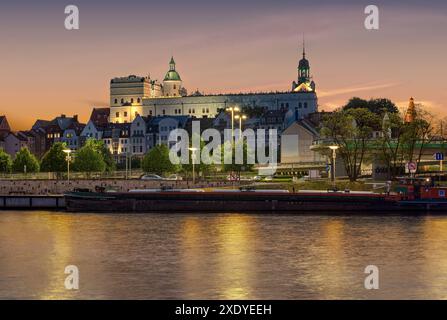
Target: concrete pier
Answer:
pixel 32 202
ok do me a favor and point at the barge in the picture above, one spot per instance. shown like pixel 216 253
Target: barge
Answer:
pixel 411 195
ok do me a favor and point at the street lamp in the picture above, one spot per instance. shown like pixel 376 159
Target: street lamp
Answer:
pixel 240 117
pixel 334 155
pixel 68 158
pixel 232 110
pixel 193 158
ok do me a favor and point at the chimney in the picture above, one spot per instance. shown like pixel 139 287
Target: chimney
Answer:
pixel 75 118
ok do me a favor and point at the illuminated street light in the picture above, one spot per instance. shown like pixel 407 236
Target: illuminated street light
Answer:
pixel 334 155
pixel 232 110
pixel 193 158
pixel 240 117
pixel 68 158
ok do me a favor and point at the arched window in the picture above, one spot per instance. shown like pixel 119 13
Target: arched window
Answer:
pixel 116 100
pixel 138 100
pixel 122 100
pixel 131 100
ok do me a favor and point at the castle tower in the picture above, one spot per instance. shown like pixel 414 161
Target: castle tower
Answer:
pixel 172 83
pixel 410 115
pixel 304 79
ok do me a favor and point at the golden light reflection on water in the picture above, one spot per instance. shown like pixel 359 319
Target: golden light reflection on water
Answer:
pixel 231 257
pixel 226 256
pixel 434 241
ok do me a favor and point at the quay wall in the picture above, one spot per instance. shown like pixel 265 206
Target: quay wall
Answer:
pixel 52 187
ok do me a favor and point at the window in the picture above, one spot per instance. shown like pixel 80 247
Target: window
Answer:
pixel 305 104
pixel 164 111
pixel 125 113
pixel 207 110
pixel 138 100
pixel 116 100
pixel 131 100
pixel 300 105
pixel 117 114
pixel 122 100
pixel 175 87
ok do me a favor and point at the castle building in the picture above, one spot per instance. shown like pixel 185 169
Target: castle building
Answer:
pixel 134 95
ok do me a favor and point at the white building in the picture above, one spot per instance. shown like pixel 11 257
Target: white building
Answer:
pixel 131 96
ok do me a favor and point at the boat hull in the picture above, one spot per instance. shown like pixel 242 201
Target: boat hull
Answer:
pixel 230 202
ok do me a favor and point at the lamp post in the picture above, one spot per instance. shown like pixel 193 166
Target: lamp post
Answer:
pixel 193 158
pixel 334 155
pixel 68 158
pixel 232 110
pixel 240 118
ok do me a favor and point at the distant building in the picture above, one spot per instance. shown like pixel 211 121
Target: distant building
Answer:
pixel 100 116
pixel 133 95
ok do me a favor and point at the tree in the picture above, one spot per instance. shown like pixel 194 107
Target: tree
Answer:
pixel 377 106
pixel 234 166
pixel 55 160
pixel 5 162
pixel 101 148
pixel 157 161
pixel 402 142
pixel 351 131
pixel 88 159
pixel 204 165
pixel 25 161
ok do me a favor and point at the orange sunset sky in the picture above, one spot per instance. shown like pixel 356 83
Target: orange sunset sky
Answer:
pixel 219 47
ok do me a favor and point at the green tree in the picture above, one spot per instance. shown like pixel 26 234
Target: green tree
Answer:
pixel 88 159
pixel 101 148
pixel 55 159
pixel 377 106
pixel 5 162
pixel 24 159
pixel 351 131
pixel 201 164
pixel 157 161
pixel 234 165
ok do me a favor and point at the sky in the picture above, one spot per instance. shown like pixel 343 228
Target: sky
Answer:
pixel 219 47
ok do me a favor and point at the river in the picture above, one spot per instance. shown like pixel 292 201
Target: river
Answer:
pixel 221 256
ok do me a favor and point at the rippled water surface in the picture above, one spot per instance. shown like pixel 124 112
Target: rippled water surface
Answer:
pixel 221 256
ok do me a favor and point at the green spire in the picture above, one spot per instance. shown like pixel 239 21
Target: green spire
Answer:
pixel 172 74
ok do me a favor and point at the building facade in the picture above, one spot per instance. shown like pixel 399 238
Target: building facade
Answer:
pixel 133 95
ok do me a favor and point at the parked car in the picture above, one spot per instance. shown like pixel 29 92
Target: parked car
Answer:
pixel 153 177
pixel 256 178
pixel 268 178
pixel 174 177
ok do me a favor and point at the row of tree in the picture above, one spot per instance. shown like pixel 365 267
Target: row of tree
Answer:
pixel 94 156
pixel 375 129
pixel 157 161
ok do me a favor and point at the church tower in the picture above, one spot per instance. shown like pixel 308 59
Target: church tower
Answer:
pixel 172 83
pixel 304 79
pixel 410 115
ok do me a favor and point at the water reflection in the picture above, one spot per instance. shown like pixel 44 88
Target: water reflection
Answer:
pixel 221 256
